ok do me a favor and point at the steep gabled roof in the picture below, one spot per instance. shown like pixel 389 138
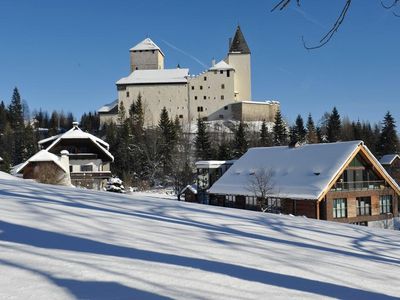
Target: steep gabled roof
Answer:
pixel 239 43
pixel 304 172
pixel 146 44
pixel 388 159
pixel 76 133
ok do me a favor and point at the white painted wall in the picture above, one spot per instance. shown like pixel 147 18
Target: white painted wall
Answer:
pixel 146 60
pixel 242 65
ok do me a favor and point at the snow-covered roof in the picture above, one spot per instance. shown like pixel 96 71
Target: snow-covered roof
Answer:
pixel 213 163
pixel 388 159
pixel 264 102
pixel 156 76
pixel 108 107
pixel 76 133
pixel 146 44
pixel 192 188
pixel 222 65
pixel 298 173
pixel 41 156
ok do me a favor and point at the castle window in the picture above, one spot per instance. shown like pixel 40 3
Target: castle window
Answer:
pixel 205 78
pixel 226 107
pixel 204 97
pixel 222 86
pixel 221 72
pixel 199 108
pixel 195 97
pixel 221 116
pixel 152 51
pixel 228 73
pixel 192 87
pixel 222 97
pixel 127 94
pixel 201 87
pixel 180 116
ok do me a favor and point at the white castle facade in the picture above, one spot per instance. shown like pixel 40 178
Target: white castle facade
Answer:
pixel 223 92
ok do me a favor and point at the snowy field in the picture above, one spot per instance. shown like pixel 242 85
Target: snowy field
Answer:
pixel 66 243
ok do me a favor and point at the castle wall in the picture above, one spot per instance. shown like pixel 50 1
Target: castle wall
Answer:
pixel 211 93
pixel 146 60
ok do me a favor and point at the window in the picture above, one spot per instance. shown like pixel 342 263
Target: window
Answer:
pixel 229 200
pixel 195 97
pixel 86 168
pixel 204 97
pixel 221 72
pixel 221 116
pixel 222 86
pixel 201 87
pixel 127 94
pixel 339 208
pixel 363 206
pixel 226 107
pixel 71 169
pixel 222 97
pixel 274 202
pixel 199 108
pixel 192 87
pixel 228 73
pixel 205 78
pixel 251 201
pixel 385 204
pixel 180 116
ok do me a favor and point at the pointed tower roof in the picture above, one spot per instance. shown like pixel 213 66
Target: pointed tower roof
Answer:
pixel 146 44
pixel 239 43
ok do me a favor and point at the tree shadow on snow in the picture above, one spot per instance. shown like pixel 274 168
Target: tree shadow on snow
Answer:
pixel 50 240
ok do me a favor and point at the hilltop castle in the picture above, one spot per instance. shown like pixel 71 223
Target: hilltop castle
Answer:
pixel 223 92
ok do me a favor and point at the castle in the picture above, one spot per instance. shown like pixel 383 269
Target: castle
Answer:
pixel 223 92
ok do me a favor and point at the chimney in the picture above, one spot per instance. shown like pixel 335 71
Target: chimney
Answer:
pixel 65 160
pixel 213 62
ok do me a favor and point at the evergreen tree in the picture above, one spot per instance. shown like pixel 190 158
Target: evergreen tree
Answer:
pixel 334 126
pixel 311 136
pixel 16 114
pixel 167 141
pixel 3 117
pixel 265 136
pixel 300 131
pixel 388 140
pixel 16 118
pixel 30 142
pixel 357 131
pixel 279 130
pixel 240 144
pixel 202 141
pixel 121 113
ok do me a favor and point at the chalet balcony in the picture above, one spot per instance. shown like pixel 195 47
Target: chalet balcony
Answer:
pixel 91 174
pixel 359 185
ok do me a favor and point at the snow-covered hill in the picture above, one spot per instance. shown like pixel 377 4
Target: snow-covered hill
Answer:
pixel 63 243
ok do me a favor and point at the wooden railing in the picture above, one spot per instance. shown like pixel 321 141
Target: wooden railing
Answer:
pixel 359 185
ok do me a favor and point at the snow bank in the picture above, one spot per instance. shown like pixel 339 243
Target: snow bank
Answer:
pixel 64 243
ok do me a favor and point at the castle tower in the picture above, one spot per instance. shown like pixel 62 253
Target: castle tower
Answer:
pixel 239 59
pixel 146 56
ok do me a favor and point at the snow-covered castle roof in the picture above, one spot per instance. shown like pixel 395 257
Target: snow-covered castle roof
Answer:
pixel 156 76
pixel 146 44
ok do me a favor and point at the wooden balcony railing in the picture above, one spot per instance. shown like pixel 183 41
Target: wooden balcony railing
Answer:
pixel 359 185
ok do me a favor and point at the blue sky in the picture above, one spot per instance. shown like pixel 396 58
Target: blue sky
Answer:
pixel 67 55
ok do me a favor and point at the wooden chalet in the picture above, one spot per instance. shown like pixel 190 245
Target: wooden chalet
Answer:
pixel 340 182
pixel 89 156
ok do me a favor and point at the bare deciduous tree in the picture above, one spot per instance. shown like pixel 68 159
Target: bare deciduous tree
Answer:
pixel 284 4
pixel 261 185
